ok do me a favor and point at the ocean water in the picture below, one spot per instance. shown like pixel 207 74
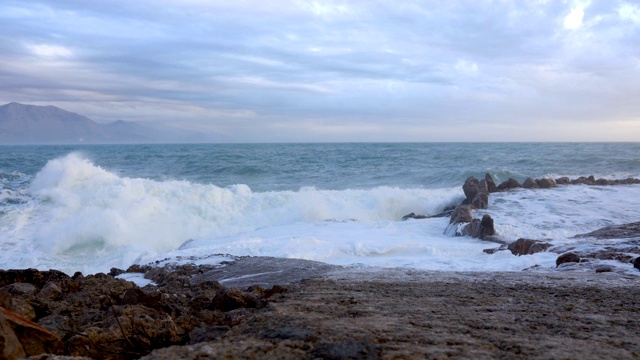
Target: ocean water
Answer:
pixel 89 208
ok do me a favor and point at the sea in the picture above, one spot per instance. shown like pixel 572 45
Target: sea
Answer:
pixel 89 208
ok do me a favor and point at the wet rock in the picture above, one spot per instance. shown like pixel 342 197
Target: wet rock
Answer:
pixel 528 246
pixel 563 181
pixel 603 268
pixel 491 184
pixel 480 229
pixel 50 291
pixel 32 339
pixel 511 183
pixel 624 231
pixel 347 350
pixel 530 183
pixel 567 258
pixel 584 180
pixel 546 183
pixel 462 214
pixel 470 188
pixel 31 276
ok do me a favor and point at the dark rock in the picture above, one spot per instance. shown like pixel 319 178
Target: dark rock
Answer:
pixel 636 263
pixel 414 216
pixel 480 201
pixel 528 246
pixel 567 258
pixel 563 181
pixel 33 339
pixel 115 272
pixel 31 276
pixel 603 268
pixel 462 214
pixel 347 350
pixel 546 183
pixel 509 184
pixel 50 291
pixel 584 180
pixel 470 189
pixel 491 184
pixel 604 182
pixel 624 231
pixel 530 183
pixel 480 229
pixel 495 250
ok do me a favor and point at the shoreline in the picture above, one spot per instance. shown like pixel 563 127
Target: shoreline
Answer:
pixel 310 310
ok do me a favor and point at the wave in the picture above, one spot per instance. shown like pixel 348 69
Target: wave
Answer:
pixel 79 202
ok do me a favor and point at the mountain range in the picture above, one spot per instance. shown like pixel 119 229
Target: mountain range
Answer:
pixel 31 124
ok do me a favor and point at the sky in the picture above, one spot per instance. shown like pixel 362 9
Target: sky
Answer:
pixel 310 71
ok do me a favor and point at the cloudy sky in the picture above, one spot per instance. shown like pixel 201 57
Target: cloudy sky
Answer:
pixel 273 71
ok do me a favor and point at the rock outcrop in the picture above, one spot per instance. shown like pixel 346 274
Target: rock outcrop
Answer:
pixel 528 246
pixel 567 258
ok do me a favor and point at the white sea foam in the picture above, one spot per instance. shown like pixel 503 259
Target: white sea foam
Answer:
pixel 84 218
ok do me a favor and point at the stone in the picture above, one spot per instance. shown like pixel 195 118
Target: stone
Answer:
pixel 480 229
pixel 491 184
pixel 50 291
pixel 636 263
pixel 527 246
pixel 511 183
pixel 530 183
pixel 623 231
pixel 462 214
pixel 567 258
pixel 34 339
pixel 470 189
pixel 563 181
pixel 480 201
pixel 546 183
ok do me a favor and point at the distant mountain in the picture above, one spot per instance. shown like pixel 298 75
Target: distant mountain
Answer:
pixel 30 124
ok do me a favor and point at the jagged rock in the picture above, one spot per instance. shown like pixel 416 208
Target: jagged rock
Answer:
pixel 413 216
pixel 12 297
pixel 50 291
pixel 603 268
pixel 636 263
pixel 546 183
pixel 470 189
pixel 563 181
pixel 491 184
pixel 567 258
pixel 462 214
pixel 530 183
pixel 481 198
pixel 528 246
pixel 584 180
pixel 623 231
pixel 480 229
pixel 32 338
pixel 604 182
pixel 509 184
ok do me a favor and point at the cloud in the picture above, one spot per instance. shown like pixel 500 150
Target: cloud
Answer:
pixel 393 70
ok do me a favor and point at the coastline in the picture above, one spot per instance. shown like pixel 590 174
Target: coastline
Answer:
pixel 332 312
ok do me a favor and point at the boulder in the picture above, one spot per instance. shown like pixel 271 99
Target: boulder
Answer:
pixel 530 183
pixel 480 229
pixel 470 189
pixel 461 214
pixel 563 181
pixel 636 263
pixel 623 231
pixel 32 339
pixel 528 246
pixel 546 183
pixel 567 258
pixel 509 184
pixel 480 201
pixel 491 184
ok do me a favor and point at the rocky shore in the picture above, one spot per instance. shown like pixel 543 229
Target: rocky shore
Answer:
pixel 318 312
pixel 261 307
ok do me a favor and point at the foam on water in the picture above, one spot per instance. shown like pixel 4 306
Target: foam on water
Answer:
pixel 76 216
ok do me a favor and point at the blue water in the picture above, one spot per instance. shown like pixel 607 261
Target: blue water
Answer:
pixel 91 207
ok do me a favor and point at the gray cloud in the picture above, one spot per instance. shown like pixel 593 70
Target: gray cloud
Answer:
pixel 333 70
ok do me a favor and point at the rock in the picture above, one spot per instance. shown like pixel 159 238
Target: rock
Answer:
pixel 546 183
pixel 584 180
pixel 470 189
pixel 563 181
pixel 491 184
pixel 509 184
pixel 567 258
pixel 480 229
pixel 636 263
pixel 33 339
pixel 604 182
pixel 50 291
pixel 480 201
pixel 13 297
pixel 528 246
pixel 462 214
pixel 603 268
pixel 530 183
pixel 623 231
pixel 413 216
pixel 31 276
